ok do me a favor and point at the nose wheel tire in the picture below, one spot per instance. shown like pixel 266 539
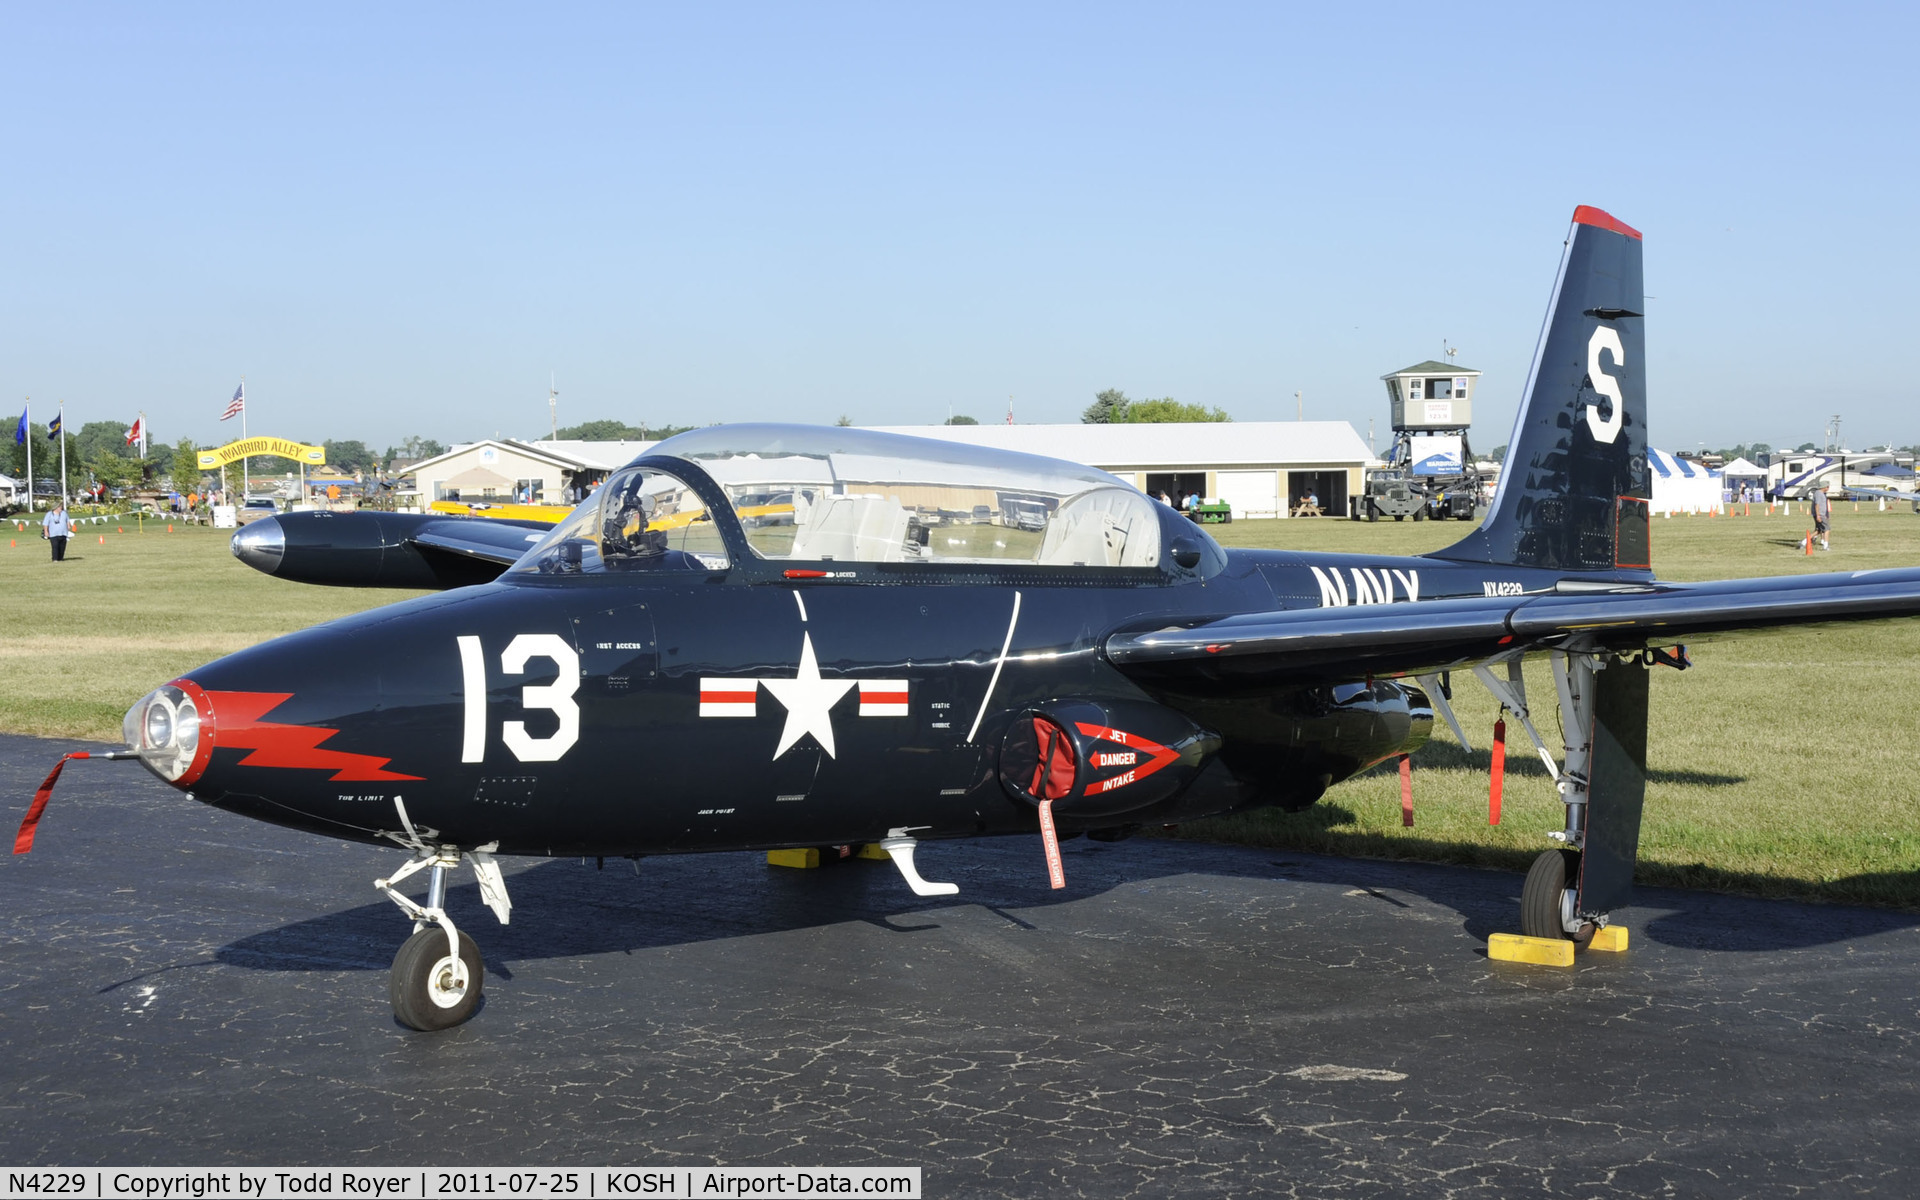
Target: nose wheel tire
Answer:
pixel 432 989
pixel 1541 895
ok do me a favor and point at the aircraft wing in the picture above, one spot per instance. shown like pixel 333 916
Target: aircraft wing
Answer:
pixel 498 540
pixel 1883 494
pixel 1409 638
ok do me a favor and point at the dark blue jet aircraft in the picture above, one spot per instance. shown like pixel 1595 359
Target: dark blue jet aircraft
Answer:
pixel 851 637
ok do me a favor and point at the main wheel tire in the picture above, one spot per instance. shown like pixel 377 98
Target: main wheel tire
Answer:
pixel 1540 895
pixel 429 988
pixel 1373 512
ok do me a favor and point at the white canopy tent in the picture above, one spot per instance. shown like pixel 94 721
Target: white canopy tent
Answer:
pixel 1681 485
pixel 1740 473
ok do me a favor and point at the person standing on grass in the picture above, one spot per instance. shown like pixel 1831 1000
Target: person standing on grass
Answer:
pixel 1822 514
pixel 57 527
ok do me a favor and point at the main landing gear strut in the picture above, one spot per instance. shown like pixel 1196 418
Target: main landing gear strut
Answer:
pixel 437 975
pixel 1601 779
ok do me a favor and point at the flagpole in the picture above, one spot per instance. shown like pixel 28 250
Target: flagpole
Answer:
pixel 26 410
pixel 63 452
pixel 246 477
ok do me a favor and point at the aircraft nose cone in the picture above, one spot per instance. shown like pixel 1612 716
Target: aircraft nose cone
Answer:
pixel 261 545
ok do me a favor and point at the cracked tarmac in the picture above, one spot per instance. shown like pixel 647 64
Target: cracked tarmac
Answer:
pixel 185 987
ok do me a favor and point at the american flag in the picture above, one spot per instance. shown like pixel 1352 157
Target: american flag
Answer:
pixel 237 405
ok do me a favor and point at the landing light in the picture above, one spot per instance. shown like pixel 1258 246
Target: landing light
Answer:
pixel 164 729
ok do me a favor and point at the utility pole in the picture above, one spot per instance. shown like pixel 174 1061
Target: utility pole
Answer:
pixel 553 408
pixel 1299 407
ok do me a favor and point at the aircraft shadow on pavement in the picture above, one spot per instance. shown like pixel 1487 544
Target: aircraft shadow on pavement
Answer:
pixel 566 910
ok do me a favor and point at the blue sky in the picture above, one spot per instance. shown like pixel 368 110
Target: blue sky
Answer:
pixel 398 220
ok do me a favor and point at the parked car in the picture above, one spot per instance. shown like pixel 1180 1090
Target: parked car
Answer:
pixel 255 509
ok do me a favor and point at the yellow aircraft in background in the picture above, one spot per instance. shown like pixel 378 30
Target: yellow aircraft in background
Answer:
pixel 552 513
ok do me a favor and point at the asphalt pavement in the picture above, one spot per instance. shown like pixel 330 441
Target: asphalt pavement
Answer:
pixel 184 987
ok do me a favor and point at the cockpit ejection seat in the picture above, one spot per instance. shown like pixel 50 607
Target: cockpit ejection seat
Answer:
pixel 1106 527
pixel 862 528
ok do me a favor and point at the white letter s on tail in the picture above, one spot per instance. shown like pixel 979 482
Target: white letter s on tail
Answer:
pixel 1605 338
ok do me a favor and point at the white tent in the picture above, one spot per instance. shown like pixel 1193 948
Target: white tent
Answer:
pixel 1680 485
pixel 1740 473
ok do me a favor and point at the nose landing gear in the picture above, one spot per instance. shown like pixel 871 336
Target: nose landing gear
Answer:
pixel 437 974
pixel 433 989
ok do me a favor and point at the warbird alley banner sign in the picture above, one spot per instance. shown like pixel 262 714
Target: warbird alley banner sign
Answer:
pixel 312 456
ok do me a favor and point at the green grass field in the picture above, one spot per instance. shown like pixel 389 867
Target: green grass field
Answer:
pixel 87 637
pixel 1780 765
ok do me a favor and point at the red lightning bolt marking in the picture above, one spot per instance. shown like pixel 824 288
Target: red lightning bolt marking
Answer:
pixel 239 727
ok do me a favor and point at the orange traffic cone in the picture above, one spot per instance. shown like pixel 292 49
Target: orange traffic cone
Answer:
pixel 1807 545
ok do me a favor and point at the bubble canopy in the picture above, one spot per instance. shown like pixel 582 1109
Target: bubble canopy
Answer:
pixel 733 452
pixel 842 495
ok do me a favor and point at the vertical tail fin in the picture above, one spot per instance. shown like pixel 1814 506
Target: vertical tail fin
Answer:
pixel 1574 492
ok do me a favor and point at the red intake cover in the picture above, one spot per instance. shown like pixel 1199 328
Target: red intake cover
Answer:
pixel 1097 759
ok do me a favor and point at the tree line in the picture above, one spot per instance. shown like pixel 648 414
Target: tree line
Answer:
pixel 1113 407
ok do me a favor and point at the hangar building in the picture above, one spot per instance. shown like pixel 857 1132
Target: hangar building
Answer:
pixel 506 470
pixel 1260 468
